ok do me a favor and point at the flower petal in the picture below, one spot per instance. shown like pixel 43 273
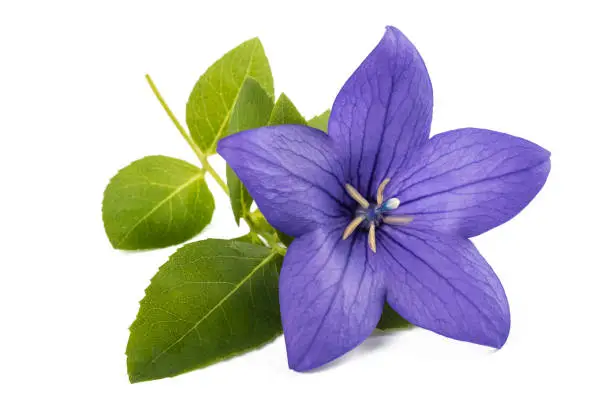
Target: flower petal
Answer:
pixel 382 111
pixel 441 283
pixel 330 297
pixel 291 172
pixel 467 181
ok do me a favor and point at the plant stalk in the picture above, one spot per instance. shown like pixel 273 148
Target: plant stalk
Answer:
pixel 201 156
pixel 207 167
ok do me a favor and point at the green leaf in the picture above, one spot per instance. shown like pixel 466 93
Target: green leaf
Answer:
pixel 320 121
pixel 391 320
pixel 212 100
pixel 252 110
pixel 212 300
pixel 156 202
pixel 285 113
pixel 240 199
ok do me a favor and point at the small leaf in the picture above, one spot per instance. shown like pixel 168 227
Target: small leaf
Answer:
pixel 212 300
pixel 320 121
pixel 212 100
pixel 156 202
pixel 391 320
pixel 285 113
pixel 240 199
pixel 252 110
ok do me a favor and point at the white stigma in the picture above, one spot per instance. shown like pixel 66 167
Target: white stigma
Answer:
pixel 391 204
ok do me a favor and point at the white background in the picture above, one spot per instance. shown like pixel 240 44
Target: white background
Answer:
pixel 74 108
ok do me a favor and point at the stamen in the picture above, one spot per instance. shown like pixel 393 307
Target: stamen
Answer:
pixel 381 189
pixel 356 196
pixel 371 215
pixel 352 226
pixel 372 237
pixel 397 219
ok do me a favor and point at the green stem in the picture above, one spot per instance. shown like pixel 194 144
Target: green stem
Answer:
pixel 251 225
pixel 180 127
pixel 271 239
pixel 215 175
pixel 201 156
pixel 279 249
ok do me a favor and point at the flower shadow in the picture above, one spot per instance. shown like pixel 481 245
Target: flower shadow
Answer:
pixel 376 342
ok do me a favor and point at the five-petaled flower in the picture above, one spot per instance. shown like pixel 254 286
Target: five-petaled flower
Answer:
pixel 381 212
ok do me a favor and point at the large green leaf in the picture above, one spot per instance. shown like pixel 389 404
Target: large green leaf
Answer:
pixel 156 202
pixel 391 320
pixel 213 97
pixel 320 121
pixel 212 300
pixel 285 113
pixel 252 110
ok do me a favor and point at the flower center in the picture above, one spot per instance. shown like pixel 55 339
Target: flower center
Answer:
pixel 371 215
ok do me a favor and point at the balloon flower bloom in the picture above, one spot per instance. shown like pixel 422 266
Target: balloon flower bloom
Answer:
pixel 381 212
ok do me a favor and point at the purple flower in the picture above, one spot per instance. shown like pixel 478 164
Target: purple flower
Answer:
pixel 379 211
